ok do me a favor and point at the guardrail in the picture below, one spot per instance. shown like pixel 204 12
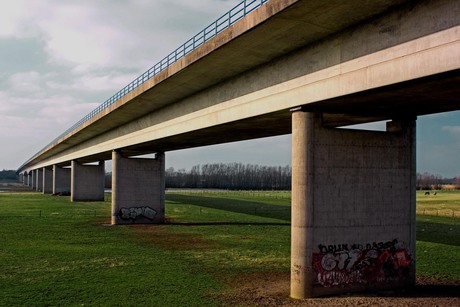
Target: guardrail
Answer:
pixel 225 21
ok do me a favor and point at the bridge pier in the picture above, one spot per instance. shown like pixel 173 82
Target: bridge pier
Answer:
pixel 39 180
pixel 34 180
pixel 353 207
pixel 47 181
pixel 87 182
pixel 138 189
pixel 61 179
pixel 30 179
pixel 25 178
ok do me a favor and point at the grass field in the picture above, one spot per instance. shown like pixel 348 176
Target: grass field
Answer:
pixel 443 203
pixel 54 252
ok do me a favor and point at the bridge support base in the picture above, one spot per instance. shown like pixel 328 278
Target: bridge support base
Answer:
pixel 87 182
pixel 353 207
pixel 47 181
pixel 33 177
pixel 138 189
pixel 61 180
pixel 29 178
pixel 39 180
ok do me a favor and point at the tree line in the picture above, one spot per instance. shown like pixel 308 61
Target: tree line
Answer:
pixel 231 176
pixel 8 175
pixel 427 181
pixel 238 176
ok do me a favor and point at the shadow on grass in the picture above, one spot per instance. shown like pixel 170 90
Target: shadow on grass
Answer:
pixel 441 230
pixel 435 291
pixel 422 291
pixel 235 205
pixel 226 224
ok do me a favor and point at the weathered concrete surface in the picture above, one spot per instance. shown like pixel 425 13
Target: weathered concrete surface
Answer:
pixel 39 180
pixel 87 183
pixel 30 178
pixel 61 179
pixel 353 207
pixel 34 179
pixel 47 181
pixel 354 63
pixel 138 187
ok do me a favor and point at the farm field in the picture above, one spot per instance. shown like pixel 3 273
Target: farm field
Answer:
pixel 216 249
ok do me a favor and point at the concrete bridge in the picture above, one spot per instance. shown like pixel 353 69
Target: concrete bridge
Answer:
pixel 305 67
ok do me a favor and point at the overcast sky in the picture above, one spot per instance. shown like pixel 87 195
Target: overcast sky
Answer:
pixel 60 59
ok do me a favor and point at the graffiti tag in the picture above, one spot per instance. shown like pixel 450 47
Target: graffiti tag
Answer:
pixel 135 213
pixel 340 265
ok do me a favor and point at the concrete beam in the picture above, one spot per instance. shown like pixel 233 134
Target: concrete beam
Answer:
pixel 61 179
pixel 353 207
pixel 138 189
pixel 87 183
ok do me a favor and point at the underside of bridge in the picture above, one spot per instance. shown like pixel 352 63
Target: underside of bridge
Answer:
pixel 434 94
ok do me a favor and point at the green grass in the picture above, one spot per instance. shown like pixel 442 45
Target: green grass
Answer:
pixel 68 257
pixel 54 252
pixel 438 234
pixel 438 247
pixel 444 203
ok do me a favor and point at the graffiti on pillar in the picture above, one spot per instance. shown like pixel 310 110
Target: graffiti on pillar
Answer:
pixel 344 264
pixel 135 213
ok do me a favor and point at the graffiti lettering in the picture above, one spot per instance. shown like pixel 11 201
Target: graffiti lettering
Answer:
pixel 382 262
pixel 333 248
pixel 135 213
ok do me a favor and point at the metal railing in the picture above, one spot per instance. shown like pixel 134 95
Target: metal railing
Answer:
pixel 225 21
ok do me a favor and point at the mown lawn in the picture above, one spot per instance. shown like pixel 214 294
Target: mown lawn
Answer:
pixel 67 256
pixel 58 253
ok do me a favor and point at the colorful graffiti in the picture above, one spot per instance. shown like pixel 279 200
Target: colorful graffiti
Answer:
pixel 135 213
pixel 343 264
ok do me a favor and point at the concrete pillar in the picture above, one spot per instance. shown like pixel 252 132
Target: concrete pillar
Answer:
pixel 47 181
pixel 353 207
pixel 39 179
pixel 34 180
pixel 29 178
pixel 39 186
pixel 87 182
pixel 61 180
pixel 138 189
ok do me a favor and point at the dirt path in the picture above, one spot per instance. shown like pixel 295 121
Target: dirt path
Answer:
pixel 272 289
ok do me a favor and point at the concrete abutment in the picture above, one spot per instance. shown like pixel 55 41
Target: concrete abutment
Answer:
pixel 353 207
pixel 138 189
